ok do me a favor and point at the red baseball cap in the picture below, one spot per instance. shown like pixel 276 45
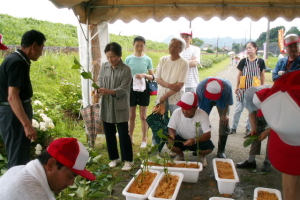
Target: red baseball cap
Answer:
pixel 186 31
pixel 188 100
pixel 2 46
pixel 281 109
pixel 290 39
pixel 213 89
pixel 71 153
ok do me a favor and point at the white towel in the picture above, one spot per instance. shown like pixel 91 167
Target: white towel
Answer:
pixel 139 85
pixel 36 169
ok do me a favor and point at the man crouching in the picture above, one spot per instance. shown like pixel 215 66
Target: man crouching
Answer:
pixel 188 126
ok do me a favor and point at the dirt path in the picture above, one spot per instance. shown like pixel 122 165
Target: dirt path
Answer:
pixel 206 186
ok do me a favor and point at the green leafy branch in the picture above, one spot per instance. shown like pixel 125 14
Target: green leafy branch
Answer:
pixel 84 74
pixel 250 139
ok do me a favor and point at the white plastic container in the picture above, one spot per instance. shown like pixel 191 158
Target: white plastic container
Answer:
pixel 219 198
pixel 225 186
pixel 191 175
pixel 277 192
pixel 180 175
pixel 133 196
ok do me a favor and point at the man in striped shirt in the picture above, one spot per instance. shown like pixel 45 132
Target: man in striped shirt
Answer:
pixel 192 55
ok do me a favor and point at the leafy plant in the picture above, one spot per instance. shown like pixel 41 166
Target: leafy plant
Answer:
pixel 250 139
pixel 84 74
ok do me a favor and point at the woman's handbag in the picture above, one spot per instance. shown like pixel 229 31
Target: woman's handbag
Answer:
pixel 152 87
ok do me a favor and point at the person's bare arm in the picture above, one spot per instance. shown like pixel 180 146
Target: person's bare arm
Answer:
pixel 147 76
pixel 17 107
pixel 238 81
pixel 252 119
pixel 206 136
pixel 262 77
pixel 224 118
pixel 170 92
pixel 173 86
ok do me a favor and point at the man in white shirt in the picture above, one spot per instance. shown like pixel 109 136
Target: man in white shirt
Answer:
pixel 192 55
pixel 190 125
pixel 54 170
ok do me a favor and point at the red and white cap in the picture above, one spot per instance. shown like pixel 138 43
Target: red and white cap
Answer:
pixel 213 89
pixel 290 39
pixel 188 100
pixel 72 154
pixel 281 109
pixel 186 31
pixel 2 46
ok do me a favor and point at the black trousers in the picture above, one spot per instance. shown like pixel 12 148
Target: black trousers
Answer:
pixel 110 130
pixel 17 145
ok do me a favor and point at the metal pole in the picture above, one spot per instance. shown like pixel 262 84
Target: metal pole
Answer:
pixel 250 29
pixel 88 50
pixel 267 43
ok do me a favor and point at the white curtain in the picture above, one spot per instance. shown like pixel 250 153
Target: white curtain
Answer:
pixel 85 56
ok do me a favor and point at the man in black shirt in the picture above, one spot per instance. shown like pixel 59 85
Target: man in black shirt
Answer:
pixel 15 97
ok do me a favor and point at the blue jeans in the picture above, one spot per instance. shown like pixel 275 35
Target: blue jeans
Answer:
pixel 237 114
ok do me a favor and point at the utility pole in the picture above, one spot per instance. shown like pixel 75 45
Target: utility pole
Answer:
pixel 217 47
pixel 267 43
pixel 250 29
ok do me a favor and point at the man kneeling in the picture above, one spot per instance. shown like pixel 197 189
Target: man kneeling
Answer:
pixel 54 170
pixel 182 127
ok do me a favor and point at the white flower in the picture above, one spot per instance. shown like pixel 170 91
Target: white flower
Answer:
pixel 47 121
pixel 51 125
pixel 37 102
pixel 38 152
pixel 42 115
pixel 46 109
pixel 43 126
pixel 35 124
pixel 38 147
pixel 39 111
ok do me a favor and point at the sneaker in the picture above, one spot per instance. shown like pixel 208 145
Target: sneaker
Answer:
pixel 246 165
pixel 203 161
pixel 179 158
pixel 232 131
pixel 266 167
pixel 114 163
pixel 143 144
pixel 127 166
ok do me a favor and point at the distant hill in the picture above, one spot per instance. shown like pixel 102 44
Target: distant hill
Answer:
pixel 227 41
pixel 57 34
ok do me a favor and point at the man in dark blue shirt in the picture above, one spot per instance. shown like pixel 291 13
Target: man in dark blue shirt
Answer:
pixel 217 92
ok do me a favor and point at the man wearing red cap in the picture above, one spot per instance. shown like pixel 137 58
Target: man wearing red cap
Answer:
pixel 292 61
pixel 192 54
pixel 259 128
pixel 281 108
pixel 53 171
pixel 217 92
pixel 190 125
